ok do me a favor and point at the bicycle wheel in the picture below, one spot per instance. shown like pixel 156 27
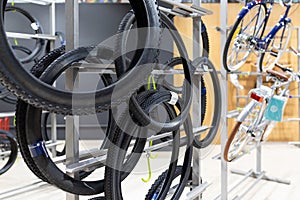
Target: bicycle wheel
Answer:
pixel 53 173
pixel 205 40
pixel 8 151
pixel 6 96
pixel 276 48
pixel 21 109
pixel 122 67
pixel 239 42
pixel 242 137
pixel 30 141
pixel 37 29
pixel 39 94
pixel 155 187
pixel 172 64
pixel 210 92
pixel 117 155
pixel 21 120
pixel 129 22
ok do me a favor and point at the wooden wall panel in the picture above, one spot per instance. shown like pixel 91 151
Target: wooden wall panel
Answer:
pixel 287 131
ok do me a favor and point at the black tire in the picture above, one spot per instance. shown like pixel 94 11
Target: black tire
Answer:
pixel 8 143
pixel 234 32
pixel 46 134
pixel 52 173
pixel 9 98
pixel 120 143
pixel 25 127
pixel 116 156
pixel 155 187
pixel 21 119
pixel 161 81
pixel 122 67
pixel 39 94
pixel 217 104
pixel 205 40
pixel 21 109
pixel 40 43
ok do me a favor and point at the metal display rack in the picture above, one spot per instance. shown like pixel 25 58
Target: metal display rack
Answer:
pixel 73 154
pixel 51 37
pixel 257 173
pixel 296 52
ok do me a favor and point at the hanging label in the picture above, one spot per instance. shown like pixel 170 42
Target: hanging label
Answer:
pixel 35 26
pixel 38 149
pixel 174 98
pixel 275 108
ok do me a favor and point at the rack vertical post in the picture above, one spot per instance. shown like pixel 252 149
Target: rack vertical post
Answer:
pixel 224 125
pixel 196 116
pixel 72 122
pixel 52 46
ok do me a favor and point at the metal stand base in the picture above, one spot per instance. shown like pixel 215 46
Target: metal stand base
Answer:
pixel 22 189
pixel 297 144
pixel 251 174
pixel 258 176
pixel 264 177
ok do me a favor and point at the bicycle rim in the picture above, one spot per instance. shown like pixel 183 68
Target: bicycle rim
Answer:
pixel 242 138
pixel 238 45
pixel 276 49
pixel 9 147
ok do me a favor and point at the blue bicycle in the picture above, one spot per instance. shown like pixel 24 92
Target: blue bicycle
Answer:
pixel 247 36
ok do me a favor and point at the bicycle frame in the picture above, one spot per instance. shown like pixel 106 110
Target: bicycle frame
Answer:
pixel 262 44
pixel 260 122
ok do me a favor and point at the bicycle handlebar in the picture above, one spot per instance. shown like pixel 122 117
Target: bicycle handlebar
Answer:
pixel 283 3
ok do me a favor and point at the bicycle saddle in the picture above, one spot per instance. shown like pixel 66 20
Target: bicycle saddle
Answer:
pixel 277 74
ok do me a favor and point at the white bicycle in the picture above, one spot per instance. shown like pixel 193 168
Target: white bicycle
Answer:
pixel 258 117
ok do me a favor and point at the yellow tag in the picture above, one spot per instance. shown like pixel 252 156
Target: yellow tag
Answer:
pixel 16 42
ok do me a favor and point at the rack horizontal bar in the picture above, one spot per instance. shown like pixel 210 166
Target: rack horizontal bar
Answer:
pixel 86 154
pixel 39 2
pixel 242 97
pixel 100 68
pixel 197 11
pixel 183 139
pixel 233 114
pixel 95 158
pixel 197 190
pixel 11 114
pixel 30 36
pixel 248 73
pixel 87 165
pixel 52 144
pixel 171 11
pixel 218 156
pixel 5 153
pixel 160 136
pixel 7 114
pixel 291 120
pixel 265 177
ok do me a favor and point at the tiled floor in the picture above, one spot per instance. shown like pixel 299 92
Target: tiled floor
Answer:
pixel 279 160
